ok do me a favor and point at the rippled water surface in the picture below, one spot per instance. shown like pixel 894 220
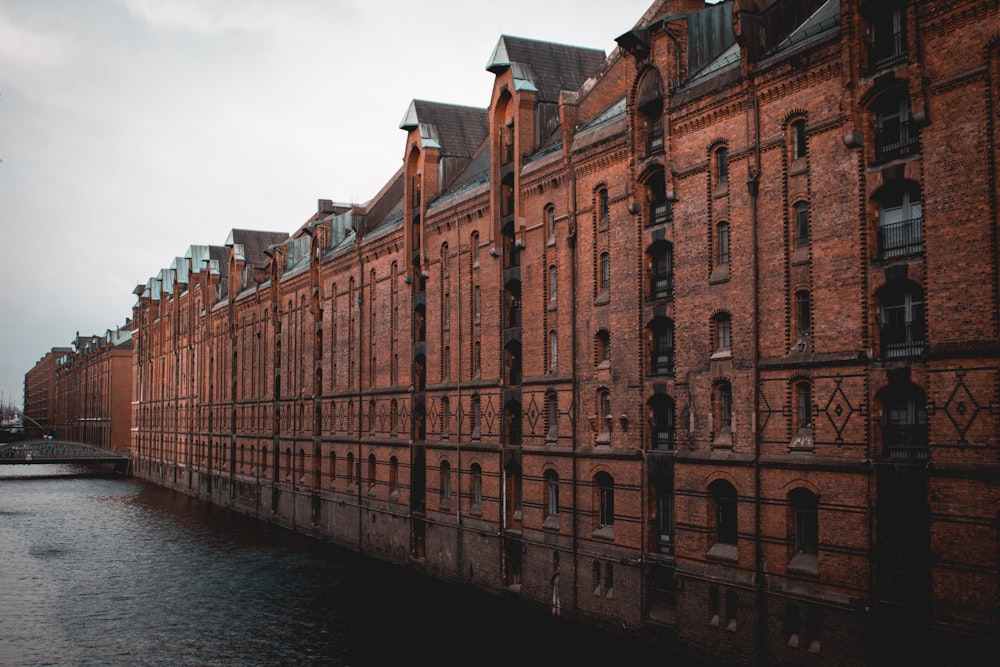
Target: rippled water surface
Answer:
pixel 106 571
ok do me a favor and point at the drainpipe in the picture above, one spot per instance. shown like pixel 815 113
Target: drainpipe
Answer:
pixel 753 187
pixel 571 242
pixel 458 440
pixel 361 404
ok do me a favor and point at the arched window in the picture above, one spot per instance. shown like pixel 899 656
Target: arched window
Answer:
pixel 903 330
pixel 900 220
pixel 551 415
pixel 662 353
pixel 722 414
pixel 553 285
pixel 551 493
pixel 553 351
pixel 661 270
pixel 904 421
pixel 371 472
pixel 798 137
pixel 474 249
pixel 803 308
pixel 602 348
pixel 550 223
pixel 800 219
pixel 661 412
pixel 723 513
pixel 603 206
pixel 445 484
pixel 722 330
pixel 604 278
pixel 803 524
pixel 722 243
pixel 721 159
pixel 649 105
pixel 605 487
pixel 895 132
pixel 393 477
pixel 477 487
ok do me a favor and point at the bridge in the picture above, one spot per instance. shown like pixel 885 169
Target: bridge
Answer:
pixel 37 452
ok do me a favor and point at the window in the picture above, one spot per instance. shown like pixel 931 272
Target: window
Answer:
pixel 604 415
pixel 393 476
pixel 661 278
pixel 476 416
pixel 649 102
pixel 446 311
pixel 662 358
pixel 553 285
pixel 661 410
pixel 393 416
pixel 605 485
pixel 553 351
pixel 903 323
pixel 803 407
pixel 445 484
pixel 803 307
pixel 474 249
pixel 723 499
pixel 550 223
pixel 722 243
pixel 332 468
pixel 888 35
pixel 513 495
pixel 371 472
pixel 477 486
pixel 895 134
pixel 804 538
pixel 798 138
pixel 904 422
pixel 551 415
pixel 349 472
pixel 477 357
pixel 900 220
pixel 602 344
pixel 446 363
pixel 723 332
pixel 445 417
pixel 659 210
pixel 721 165
pixel 551 493
pixel 477 304
pixel 664 515
pixel 722 414
pixel 801 219
pixel 604 281
pixel 603 206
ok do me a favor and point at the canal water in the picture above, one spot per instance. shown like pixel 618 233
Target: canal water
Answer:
pixel 111 571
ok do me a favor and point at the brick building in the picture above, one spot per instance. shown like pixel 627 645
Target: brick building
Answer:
pixel 678 340
pixel 39 393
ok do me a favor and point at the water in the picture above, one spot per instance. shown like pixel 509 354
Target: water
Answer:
pixel 108 571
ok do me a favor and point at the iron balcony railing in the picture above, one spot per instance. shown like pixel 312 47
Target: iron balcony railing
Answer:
pixel 898 239
pixel 905 442
pixel 663 285
pixel 895 140
pixel 903 340
pixel 663 438
pixel 888 52
pixel 662 211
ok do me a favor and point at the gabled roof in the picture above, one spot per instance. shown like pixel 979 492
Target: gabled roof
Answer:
pixel 456 130
pixel 254 243
pixel 545 67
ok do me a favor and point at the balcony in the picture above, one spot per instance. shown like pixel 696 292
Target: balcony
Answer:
pixel 899 239
pixel 901 341
pixel 908 443
pixel 662 212
pixel 895 139
pixel 887 51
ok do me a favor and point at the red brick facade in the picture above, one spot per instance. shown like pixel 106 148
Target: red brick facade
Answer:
pixel 699 339
pixel 40 393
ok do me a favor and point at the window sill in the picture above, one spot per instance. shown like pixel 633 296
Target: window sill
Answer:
pixel 804 564
pixel 551 522
pixel 604 533
pixel 720 274
pixel 723 441
pixel 603 297
pixel 722 551
pixel 800 165
pixel 726 353
pixel 802 442
pixel 721 189
pixel 801 254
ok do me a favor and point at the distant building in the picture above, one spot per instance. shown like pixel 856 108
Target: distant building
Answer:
pixel 39 393
pixel 703 334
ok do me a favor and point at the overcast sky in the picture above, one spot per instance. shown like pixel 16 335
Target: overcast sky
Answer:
pixel 132 129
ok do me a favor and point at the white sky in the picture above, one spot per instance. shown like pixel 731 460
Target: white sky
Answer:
pixel 132 129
